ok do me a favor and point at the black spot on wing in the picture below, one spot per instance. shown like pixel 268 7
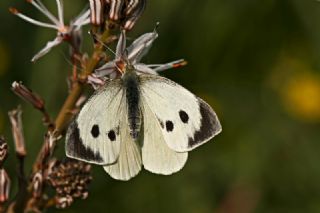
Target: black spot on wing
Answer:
pixel 95 132
pixel 112 135
pixel 209 127
pixel 184 117
pixel 169 126
pixel 75 147
pixel 161 123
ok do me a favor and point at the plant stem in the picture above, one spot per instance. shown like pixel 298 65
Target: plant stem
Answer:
pixel 23 194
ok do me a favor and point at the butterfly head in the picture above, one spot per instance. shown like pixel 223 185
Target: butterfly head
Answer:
pixel 122 62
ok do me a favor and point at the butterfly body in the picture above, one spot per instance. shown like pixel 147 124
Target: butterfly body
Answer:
pixel 130 83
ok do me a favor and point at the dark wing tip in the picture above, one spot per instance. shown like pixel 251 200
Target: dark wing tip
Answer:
pixel 210 126
pixel 76 149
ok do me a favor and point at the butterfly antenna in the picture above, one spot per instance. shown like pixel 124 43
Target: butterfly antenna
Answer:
pixel 98 40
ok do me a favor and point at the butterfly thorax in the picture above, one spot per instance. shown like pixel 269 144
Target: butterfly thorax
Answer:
pixel 131 84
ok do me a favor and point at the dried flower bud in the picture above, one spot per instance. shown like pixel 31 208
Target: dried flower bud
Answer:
pixel 125 12
pixel 27 95
pixel 4 186
pixel 3 150
pixel 51 164
pixel 97 8
pixel 17 131
pixel 37 183
pixel 133 13
pixel 64 202
pixel 70 178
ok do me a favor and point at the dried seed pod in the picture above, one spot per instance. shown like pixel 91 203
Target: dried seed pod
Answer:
pixel 3 150
pixel 64 202
pixel 70 178
pixel 17 131
pixel 26 94
pixel 37 183
pixel 97 10
pixel 134 13
pixel 115 9
pixel 4 186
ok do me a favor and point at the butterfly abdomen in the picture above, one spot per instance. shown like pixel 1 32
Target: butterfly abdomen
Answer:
pixel 131 85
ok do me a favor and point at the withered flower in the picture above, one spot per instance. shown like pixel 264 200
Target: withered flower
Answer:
pixel 17 131
pixel 70 179
pixel 3 150
pixel 37 185
pixel 125 12
pixel 64 32
pixel 4 186
pixel 26 94
pixel 64 202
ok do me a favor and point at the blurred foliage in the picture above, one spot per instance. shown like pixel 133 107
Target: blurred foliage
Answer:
pixel 256 62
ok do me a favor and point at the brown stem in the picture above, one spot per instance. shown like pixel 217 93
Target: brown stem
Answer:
pixel 22 195
pixel 65 114
pixel 43 154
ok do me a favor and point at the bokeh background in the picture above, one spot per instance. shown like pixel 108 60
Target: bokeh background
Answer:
pixel 256 62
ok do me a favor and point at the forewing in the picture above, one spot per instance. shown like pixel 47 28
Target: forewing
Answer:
pixel 94 135
pixel 157 157
pixel 186 121
pixel 129 163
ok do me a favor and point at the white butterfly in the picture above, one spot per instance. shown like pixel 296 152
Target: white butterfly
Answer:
pixel 139 119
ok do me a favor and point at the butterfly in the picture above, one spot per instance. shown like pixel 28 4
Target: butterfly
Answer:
pixel 138 118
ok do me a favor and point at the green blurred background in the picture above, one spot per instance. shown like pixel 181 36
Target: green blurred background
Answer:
pixel 256 62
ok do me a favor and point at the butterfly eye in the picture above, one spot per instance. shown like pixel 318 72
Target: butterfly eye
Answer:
pixel 184 116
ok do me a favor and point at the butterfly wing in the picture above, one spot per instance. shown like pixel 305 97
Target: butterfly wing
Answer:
pixel 157 157
pixel 186 121
pixel 129 163
pixel 94 135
